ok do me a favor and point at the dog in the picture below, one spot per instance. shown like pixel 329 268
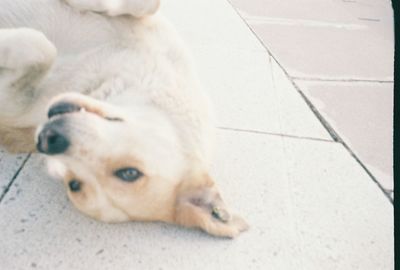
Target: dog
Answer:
pixel 107 92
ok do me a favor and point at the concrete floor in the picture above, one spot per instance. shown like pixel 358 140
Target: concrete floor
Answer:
pixel 310 203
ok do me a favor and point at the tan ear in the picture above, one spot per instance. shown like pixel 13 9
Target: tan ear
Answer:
pixel 200 205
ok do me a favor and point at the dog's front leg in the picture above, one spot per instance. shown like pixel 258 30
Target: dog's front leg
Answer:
pixel 25 57
pixel 135 8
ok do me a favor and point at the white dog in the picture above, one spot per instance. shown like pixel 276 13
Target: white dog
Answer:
pixel 129 130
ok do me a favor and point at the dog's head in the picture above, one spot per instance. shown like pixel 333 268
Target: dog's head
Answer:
pixel 119 165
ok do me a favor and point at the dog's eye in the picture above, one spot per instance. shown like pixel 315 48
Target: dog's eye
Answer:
pixel 128 174
pixel 74 185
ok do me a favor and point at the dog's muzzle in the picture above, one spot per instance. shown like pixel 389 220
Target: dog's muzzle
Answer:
pixel 52 138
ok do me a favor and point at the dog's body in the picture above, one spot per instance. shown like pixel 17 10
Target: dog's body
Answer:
pixel 143 108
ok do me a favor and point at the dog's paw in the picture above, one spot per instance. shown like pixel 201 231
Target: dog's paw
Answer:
pixel 21 47
pixel 231 229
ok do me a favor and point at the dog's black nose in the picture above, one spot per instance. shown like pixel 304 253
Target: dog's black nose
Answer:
pixel 52 142
pixel 61 108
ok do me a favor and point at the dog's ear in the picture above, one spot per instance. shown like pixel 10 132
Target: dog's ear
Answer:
pixel 200 205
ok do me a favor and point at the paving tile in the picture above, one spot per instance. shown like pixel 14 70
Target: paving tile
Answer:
pixel 341 12
pixel 310 10
pixel 362 114
pixel 338 44
pixel 305 200
pixel 311 52
pixel 250 91
pixel 9 164
pixel 236 71
pixel 206 22
pixel 329 210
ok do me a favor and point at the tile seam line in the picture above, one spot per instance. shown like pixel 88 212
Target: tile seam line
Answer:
pixel 339 80
pixel 15 176
pixel 335 136
pixel 275 134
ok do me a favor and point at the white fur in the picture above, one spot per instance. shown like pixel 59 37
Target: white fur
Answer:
pixel 132 67
pixel 123 60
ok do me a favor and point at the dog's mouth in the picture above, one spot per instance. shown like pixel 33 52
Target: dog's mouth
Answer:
pixel 63 108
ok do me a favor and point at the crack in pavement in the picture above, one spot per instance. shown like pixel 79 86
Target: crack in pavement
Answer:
pixel 275 134
pixel 15 176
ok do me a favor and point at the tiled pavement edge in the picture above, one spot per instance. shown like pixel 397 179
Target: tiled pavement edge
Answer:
pixel 365 124
pixel 336 59
pixel 309 203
